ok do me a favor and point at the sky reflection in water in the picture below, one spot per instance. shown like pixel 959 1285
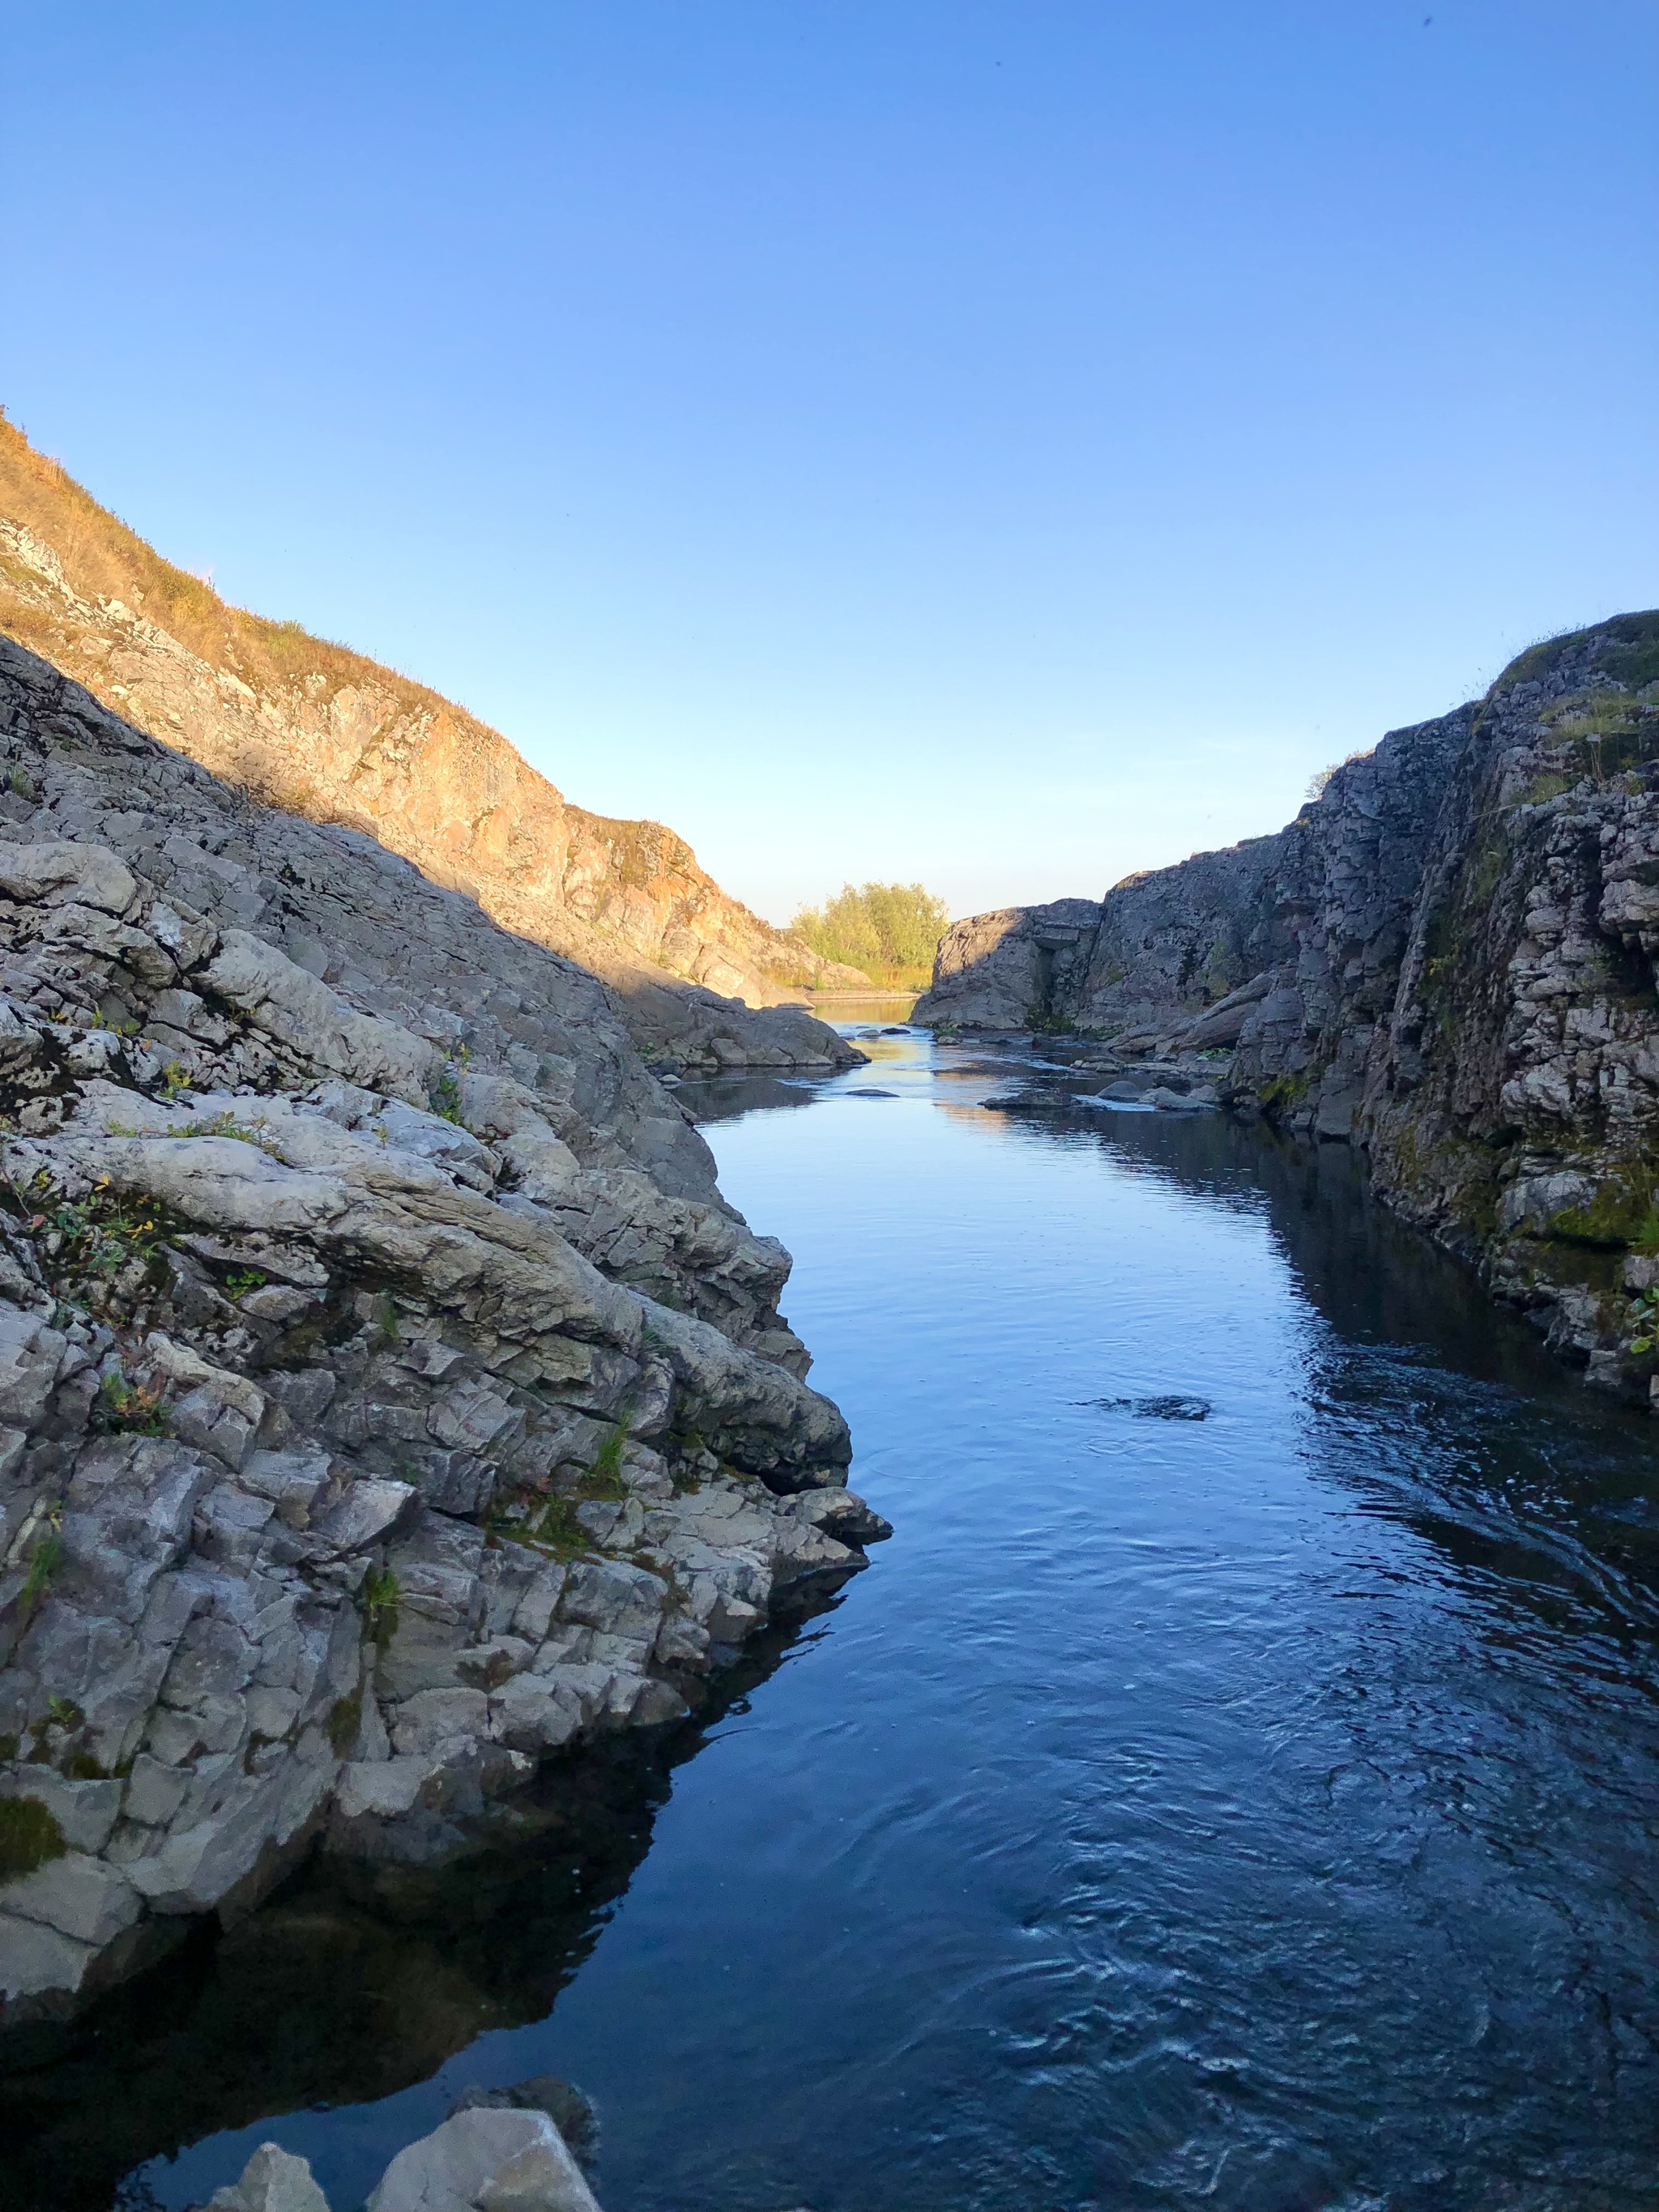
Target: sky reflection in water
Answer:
pixel 1253 1812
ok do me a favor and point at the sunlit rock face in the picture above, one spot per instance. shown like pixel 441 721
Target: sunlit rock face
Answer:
pixel 326 734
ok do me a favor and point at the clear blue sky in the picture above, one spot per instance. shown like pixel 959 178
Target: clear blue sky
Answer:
pixel 1007 442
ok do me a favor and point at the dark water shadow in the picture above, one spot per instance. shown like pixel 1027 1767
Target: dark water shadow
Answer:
pixel 1467 1429
pixel 354 1982
pixel 723 1097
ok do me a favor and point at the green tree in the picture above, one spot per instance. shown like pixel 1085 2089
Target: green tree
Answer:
pixel 883 928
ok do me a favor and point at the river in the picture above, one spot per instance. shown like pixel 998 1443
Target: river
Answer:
pixel 1234 1786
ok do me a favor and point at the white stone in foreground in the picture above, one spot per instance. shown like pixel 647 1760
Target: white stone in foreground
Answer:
pixel 273 2180
pixel 486 2161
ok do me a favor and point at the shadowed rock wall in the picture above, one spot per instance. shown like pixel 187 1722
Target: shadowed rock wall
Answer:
pixel 1447 958
pixel 326 733
pixel 388 1396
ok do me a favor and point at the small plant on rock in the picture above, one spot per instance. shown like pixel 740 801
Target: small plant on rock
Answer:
pixel 558 1530
pixel 1644 1312
pixel 126 1408
pixel 447 1091
pixel 93 1235
pixel 346 1723
pixel 46 1562
pixel 603 1478
pixel 225 1124
pixel 241 1281
pixel 29 1837
pixel 378 1599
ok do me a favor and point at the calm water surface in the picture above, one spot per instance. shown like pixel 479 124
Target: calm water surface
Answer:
pixel 1235 1785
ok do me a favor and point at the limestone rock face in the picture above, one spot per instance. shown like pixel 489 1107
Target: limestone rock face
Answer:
pixel 1447 958
pixel 388 1396
pixel 328 735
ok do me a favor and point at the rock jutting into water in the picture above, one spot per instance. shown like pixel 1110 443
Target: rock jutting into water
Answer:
pixel 1447 959
pixel 481 2159
pixel 388 1396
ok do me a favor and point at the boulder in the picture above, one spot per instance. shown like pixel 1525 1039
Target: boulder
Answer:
pixel 273 2180
pixel 486 2159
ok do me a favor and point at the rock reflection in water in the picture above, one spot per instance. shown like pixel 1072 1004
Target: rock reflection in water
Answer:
pixel 1244 1814
pixel 354 1983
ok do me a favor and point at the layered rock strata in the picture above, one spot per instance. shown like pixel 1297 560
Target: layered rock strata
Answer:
pixel 388 1396
pixel 1447 958
pixel 326 734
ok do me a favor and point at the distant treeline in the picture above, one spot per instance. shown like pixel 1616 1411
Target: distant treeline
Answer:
pixel 890 930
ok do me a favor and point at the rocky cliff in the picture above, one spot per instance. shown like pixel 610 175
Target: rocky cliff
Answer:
pixel 387 1397
pixel 321 731
pixel 1448 959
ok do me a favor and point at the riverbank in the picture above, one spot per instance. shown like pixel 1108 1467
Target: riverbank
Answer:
pixel 1446 960
pixel 388 1397
pixel 1232 1787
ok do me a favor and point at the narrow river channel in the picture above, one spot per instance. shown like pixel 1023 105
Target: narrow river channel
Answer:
pixel 1235 1785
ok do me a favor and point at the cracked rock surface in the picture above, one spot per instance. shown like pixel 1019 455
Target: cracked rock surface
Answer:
pixel 388 1396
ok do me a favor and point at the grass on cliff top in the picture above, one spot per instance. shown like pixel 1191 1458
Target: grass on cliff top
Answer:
pixel 1626 648
pixel 102 558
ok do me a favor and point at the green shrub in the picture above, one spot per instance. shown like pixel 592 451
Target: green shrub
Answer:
pixel 93 1235
pixel 447 1091
pixel 30 1835
pixel 883 928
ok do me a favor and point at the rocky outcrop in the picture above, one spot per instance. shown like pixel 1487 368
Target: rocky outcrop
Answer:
pixel 484 2158
pixel 388 1396
pixel 1008 970
pixel 1448 959
pixel 325 733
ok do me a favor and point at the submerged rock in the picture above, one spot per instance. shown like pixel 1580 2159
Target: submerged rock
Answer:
pixel 570 2111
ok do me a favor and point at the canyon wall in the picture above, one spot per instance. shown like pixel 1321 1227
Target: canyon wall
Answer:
pixel 1448 959
pixel 388 1396
pixel 319 731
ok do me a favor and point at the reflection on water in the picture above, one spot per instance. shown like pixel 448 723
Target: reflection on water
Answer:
pixel 1254 1811
pixel 354 1987
pixel 854 1015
